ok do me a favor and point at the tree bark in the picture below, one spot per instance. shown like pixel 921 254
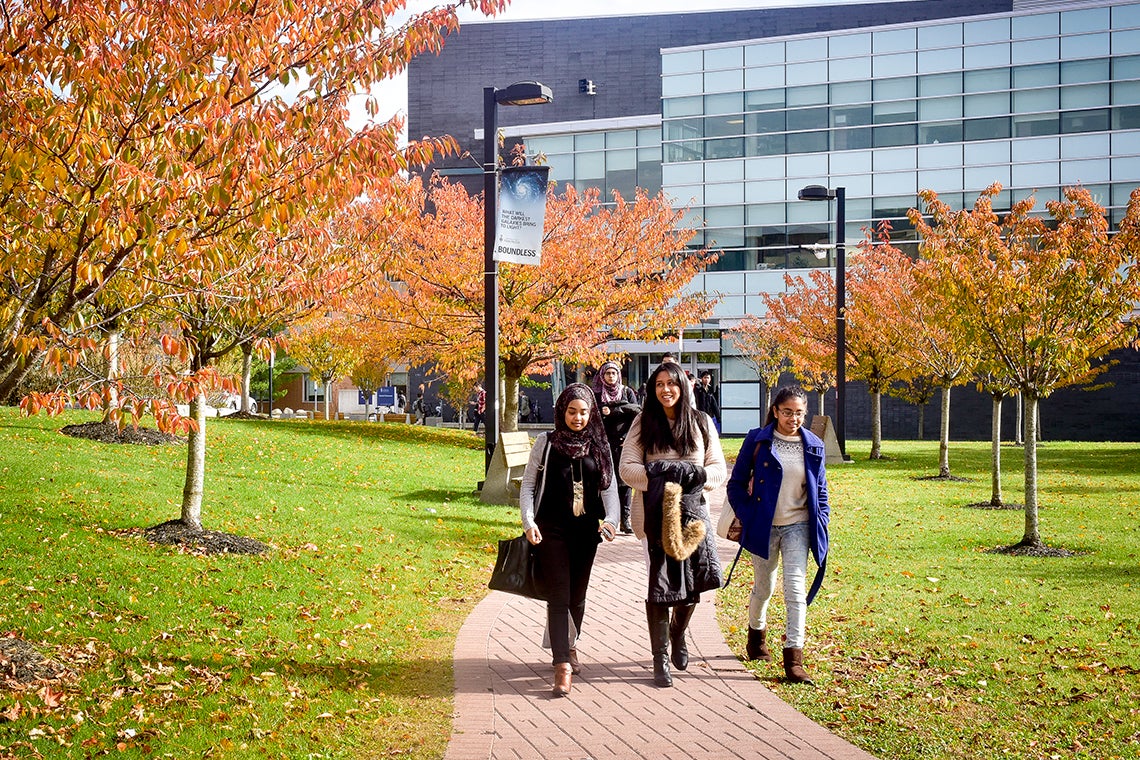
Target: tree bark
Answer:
pixel 246 374
pixel 195 465
pixel 921 420
pixel 111 397
pixel 944 435
pixel 876 425
pixel 1020 434
pixel 1032 535
pixel 15 369
pixel 509 401
pixel 995 453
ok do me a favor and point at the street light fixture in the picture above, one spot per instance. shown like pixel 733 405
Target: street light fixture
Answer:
pixel 517 94
pixel 839 194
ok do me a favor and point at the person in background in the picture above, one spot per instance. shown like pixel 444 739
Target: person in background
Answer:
pixel 568 486
pixel 524 407
pixel 778 489
pixel 672 458
pixel 707 400
pixel 478 406
pixel 618 405
pixel 418 408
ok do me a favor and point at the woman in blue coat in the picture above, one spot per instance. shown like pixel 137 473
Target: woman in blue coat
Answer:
pixel 778 489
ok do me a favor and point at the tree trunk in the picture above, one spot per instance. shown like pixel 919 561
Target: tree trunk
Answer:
pixel 944 435
pixel 246 373
pixel 195 465
pixel 328 392
pixel 876 425
pixel 921 420
pixel 509 401
pixel 995 454
pixel 111 397
pixel 15 369
pixel 1032 535
pixel 821 395
pixel 1020 434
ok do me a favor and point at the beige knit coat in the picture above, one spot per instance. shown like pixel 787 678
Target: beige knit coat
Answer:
pixel 634 459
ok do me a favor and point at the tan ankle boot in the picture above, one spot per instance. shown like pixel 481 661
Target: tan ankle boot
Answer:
pixel 562 677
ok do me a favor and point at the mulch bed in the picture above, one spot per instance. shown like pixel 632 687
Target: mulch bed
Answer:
pixel 22 666
pixel 1033 550
pixel 107 432
pixel 991 505
pixel 200 541
pixel 948 478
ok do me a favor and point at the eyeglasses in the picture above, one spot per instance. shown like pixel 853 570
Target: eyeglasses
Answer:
pixel 789 414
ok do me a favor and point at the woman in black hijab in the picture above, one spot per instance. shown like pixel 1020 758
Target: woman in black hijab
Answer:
pixel 567 488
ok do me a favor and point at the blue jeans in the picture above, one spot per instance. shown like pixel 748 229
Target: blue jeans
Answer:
pixel 791 543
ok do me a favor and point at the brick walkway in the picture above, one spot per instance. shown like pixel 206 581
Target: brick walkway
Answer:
pixel 716 708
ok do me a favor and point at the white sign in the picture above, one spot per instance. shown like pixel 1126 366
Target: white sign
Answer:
pixel 521 214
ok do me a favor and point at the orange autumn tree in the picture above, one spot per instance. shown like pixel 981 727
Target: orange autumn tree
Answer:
pixel 1043 301
pixel 805 316
pixel 167 145
pixel 134 132
pixel 912 317
pixel 606 273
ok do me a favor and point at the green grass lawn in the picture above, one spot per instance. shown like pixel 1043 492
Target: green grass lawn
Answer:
pixel 337 643
pixel 925 645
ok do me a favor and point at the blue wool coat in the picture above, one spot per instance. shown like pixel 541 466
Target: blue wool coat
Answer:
pixel 757 510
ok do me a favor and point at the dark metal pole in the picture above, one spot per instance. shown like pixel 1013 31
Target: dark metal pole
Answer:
pixel 841 320
pixel 490 273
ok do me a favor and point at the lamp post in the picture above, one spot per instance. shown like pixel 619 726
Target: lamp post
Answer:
pixel 517 94
pixel 839 194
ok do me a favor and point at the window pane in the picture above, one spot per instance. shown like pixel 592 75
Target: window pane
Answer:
pixel 939 60
pixel 764 78
pixel 807 142
pixel 1041 75
pixel 763 100
pixel 679 63
pixel 1041 25
pixel 884 137
pixel 937 109
pixel 807 118
pixel 729 147
pixel 990 104
pixel 627 138
pixel 682 107
pixel 764 55
pixel 1028 101
pixel 1127 67
pixel 940 84
pixel 807 96
pixel 683 129
pixel 986 80
pixel 1085 121
pixel 681 84
pixel 851 139
pixel 764 122
pixel 850 116
pixel 850 92
pixel 895 89
pixel 1084 71
pixel 732 102
pixel 724 58
pixel 1036 124
pixel 765 145
pixel 1084 96
pixel 888 113
pixel 844 45
pixel 1126 117
pixel 945 132
pixel 993 30
pixel 590 141
pixel 986 129
pixel 723 126
pixel 894 41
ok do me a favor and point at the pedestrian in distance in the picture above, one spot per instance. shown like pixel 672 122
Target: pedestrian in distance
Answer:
pixel 619 406
pixel 524 407
pixel 778 490
pixel 478 404
pixel 568 504
pixel 672 457
pixel 707 400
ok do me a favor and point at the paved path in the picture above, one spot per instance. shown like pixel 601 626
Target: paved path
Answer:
pixel 716 708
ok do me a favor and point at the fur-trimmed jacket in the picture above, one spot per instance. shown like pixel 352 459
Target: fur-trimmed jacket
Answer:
pixel 683 560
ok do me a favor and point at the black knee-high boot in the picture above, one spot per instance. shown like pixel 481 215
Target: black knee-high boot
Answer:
pixel 658 618
pixel 680 623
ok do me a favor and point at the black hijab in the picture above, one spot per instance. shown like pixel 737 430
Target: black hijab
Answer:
pixel 591 440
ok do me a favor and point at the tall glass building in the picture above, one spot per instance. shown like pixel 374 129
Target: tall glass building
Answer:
pixel 883 99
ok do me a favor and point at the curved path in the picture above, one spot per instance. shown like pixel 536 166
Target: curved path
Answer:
pixel 716 709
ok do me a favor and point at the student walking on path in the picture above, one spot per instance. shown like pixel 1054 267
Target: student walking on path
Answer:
pixel 619 406
pixel 778 490
pixel 567 487
pixel 671 457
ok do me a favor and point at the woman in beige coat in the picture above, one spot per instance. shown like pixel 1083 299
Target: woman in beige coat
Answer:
pixel 672 457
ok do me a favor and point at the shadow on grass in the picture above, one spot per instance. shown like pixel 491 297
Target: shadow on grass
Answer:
pixel 375 431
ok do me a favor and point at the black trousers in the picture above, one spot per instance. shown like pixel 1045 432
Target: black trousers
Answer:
pixel 565 561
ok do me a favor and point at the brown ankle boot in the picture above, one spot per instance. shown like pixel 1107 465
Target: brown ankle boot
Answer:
pixel 794 666
pixel 757 646
pixel 562 677
pixel 575 665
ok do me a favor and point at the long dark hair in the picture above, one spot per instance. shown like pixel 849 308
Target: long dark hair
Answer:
pixel 782 395
pixel 657 433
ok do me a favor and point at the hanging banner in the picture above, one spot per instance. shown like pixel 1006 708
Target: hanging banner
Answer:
pixel 522 211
